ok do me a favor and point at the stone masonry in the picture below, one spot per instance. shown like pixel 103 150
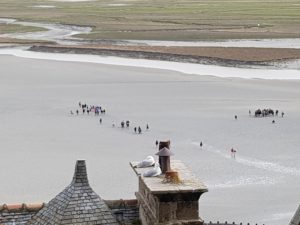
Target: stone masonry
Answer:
pixel 163 203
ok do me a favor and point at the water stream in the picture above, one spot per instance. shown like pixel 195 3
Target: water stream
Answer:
pixel 59 33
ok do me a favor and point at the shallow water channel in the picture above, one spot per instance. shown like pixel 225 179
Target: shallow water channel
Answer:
pixel 59 33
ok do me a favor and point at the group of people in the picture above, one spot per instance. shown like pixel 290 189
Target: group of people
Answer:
pixel 85 108
pixel 266 112
pixel 258 113
pixel 232 150
pixel 138 130
pixel 126 124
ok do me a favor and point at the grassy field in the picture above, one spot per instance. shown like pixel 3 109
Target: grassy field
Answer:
pixel 167 19
pixel 12 28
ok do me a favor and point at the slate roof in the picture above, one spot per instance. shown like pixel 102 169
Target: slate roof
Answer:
pixel 296 218
pixel 77 204
pixel 18 214
pixel 126 212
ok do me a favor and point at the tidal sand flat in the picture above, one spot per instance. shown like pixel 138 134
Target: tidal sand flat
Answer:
pixel 40 139
pixel 288 72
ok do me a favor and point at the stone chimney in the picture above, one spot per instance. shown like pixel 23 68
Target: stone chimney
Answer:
pixel 164 144
pixel 162 203
pixel 161 145
pixel 80 174
pixel 164 159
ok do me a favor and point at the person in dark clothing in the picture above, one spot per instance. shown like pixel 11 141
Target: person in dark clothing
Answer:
pixel 156 143
pixel 235 117
pixel 201 144
pixel 140 130
pixel 77 112
pixel 233 151
pixel 134 130
pixel 100 120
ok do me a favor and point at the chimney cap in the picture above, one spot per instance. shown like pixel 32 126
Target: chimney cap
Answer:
pixel 164 152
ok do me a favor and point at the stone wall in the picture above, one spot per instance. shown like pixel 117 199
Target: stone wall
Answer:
pixel 125 211
pixel 174 208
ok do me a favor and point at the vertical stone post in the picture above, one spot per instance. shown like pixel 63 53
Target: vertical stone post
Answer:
pixel 161 145
pixel 164 159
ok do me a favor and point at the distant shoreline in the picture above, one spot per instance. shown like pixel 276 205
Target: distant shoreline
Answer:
pixel 223 56
pixel 280 71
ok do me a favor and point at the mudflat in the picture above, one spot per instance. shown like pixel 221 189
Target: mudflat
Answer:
pixel 40 139
pixel 225 55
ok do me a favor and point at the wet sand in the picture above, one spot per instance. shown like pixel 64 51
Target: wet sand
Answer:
pixel 40 140
pixel 278 71
pixel 221 56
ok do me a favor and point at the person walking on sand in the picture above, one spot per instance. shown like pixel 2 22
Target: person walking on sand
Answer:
pixel 100 120
pixel 134 129
pixel 273 121
pixel 156 143
pixel 201 144
pixel 140 130
pixel 249 112
pixel 235 117
pixel 282 114
pixel 77 112
pixel 71 112
pixel 233 151
pixel 147 126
